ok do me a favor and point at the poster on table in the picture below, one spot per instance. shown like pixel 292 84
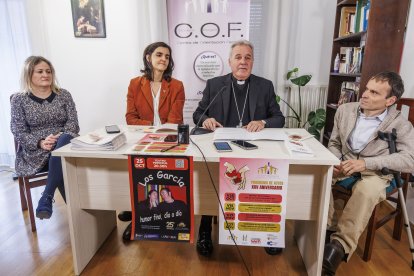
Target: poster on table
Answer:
pixel 161 197
pixel 200 34
pixel 253 194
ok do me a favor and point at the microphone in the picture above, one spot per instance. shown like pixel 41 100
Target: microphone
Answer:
pixel 198 130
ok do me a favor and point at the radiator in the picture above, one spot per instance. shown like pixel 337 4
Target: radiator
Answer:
pixel 313 97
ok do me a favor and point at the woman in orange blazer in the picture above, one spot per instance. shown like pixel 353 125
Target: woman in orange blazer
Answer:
pixel 155 98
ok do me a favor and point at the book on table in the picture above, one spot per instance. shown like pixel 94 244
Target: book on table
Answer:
pixel 98 141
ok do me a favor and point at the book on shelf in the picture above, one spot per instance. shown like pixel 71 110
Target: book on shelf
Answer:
pixel 354 19
pixel 345 59
pixel 346 96
pixel 365 15
pixel 361 15
pixel 358 9
pixel 350 60
pixel 345 21
pixel 349 91
pixel 98 141
pixel 351 28
pixel 353 85
pixel 355 66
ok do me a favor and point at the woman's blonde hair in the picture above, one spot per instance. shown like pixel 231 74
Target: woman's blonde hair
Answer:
pixel 28 69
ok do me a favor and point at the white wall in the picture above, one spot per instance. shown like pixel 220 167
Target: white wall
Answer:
pixel 96 71
pixel 407 62
pixel 407 74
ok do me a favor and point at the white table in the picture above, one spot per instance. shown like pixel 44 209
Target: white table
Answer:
pixel 97 184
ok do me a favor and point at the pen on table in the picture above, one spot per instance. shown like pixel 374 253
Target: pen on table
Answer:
pixel 307 137
pixel 167 149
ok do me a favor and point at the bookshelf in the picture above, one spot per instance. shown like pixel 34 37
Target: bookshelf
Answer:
pixel 380 42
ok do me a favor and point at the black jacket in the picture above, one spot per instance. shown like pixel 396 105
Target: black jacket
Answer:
pixel 262 101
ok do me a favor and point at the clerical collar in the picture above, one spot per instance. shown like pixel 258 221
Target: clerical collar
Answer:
pixel 239 83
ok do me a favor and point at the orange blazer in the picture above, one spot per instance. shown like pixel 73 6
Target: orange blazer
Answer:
pixel 140 109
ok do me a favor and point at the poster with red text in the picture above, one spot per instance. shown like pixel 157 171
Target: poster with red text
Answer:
pixel 162 197
pixel 253 194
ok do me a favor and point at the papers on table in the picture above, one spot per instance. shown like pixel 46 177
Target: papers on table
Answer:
pixel 298 147
pixel 296 144
pixel 96 141
pixel 155 143
pixel 228 133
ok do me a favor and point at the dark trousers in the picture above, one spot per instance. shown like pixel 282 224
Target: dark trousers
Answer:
pixel 54 167
pixel 205 225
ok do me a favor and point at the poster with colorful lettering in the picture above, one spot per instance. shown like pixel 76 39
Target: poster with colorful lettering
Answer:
pixel 253 194
pixel 161 198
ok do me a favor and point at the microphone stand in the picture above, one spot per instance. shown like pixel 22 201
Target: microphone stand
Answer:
pixel 197 130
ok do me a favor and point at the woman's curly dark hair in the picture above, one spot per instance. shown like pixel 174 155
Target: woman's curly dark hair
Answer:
pixel 147 71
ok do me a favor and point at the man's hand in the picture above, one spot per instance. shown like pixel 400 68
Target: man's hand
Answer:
pixel 211 124
pixel 255 126
pixel 352 166
pixel 337 170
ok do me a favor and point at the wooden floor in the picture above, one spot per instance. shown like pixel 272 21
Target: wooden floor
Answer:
pixel 48 251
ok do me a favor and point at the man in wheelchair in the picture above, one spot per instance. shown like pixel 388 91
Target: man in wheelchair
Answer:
pixel 355 141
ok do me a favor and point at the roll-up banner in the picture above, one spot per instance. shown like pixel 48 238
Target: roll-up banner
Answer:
pixel 200 35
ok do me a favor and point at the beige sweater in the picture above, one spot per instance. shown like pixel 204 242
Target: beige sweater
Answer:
pixel 376 153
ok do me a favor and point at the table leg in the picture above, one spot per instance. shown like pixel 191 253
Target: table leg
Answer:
pixel 310 235
pixel 88 228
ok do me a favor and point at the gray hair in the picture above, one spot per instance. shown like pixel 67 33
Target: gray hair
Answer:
pixel 241 43
pixel 27 73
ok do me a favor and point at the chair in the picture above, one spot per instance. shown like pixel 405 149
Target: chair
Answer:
pixel 344 193
pixel 26 183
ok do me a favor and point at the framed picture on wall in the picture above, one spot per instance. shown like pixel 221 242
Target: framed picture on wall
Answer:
pixel 88 18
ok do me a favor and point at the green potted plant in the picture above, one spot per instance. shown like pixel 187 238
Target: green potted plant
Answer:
pixel 316 119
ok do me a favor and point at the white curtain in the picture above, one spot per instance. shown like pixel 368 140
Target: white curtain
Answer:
pixel 14 49
pixel 282 45
pixel 153 18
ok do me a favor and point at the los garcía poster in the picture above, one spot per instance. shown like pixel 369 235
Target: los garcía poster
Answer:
pixel 162 198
